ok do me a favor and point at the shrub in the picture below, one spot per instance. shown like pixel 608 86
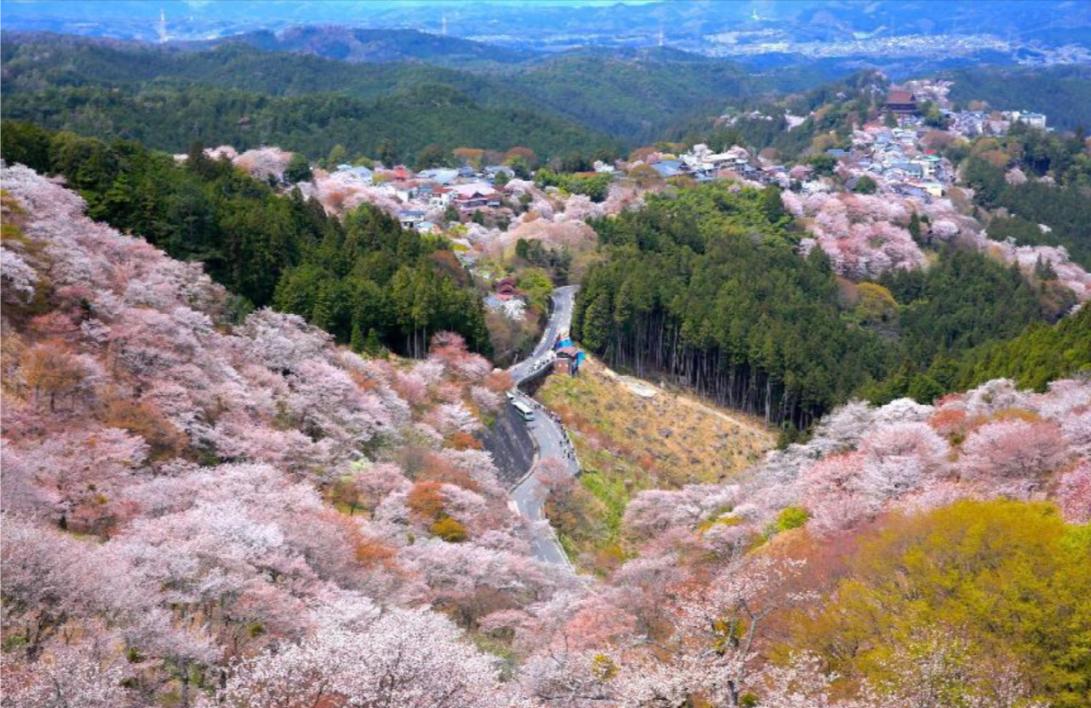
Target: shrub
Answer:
pixel 792 517
pixel 449 530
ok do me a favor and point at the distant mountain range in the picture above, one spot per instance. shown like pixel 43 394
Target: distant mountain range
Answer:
pixel 1015 30
pixel 309 88
pixel 358 45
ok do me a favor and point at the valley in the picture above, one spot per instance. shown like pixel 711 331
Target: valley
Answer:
pixel 562 354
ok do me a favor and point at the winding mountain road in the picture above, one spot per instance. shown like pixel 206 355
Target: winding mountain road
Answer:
pixel 550 439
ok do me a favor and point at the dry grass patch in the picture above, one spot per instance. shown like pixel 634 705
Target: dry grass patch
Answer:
pixel 633 435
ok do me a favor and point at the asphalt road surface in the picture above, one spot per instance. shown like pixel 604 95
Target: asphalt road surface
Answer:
pixel 560 320
pixel 550 439
pixel 508 441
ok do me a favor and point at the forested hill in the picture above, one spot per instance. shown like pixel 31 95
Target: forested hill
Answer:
pixel 638 95
pixel 359 45
pixel 245 97
pixel 401 125
pixel 568 102
pixel 706 286
pixel 36 61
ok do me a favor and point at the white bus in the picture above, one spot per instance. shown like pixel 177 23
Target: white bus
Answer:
pixel 524 411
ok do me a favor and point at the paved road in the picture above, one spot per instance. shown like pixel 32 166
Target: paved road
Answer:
pixel 560 320
pixel 528 497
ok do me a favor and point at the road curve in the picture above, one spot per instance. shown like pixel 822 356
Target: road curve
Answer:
pixel 528 497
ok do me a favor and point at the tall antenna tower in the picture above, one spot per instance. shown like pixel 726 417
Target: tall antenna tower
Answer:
pixel 661 42
pixel 445 25
pixel 162 29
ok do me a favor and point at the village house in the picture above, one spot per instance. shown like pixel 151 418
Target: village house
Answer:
pixel 474 196
pixel 668 168
pixel 410 218
pixel 404 191
pixel 566 360
pixel 439 197
pixel 1034 120
pixel 439 175
pixel 492 171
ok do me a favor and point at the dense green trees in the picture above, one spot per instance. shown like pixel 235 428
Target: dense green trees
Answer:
pixel 635 97
pixel 392 128
pixel 964 302
pixel 594 186
pixel 557 262
pixel 705 287
pixel 299 170
pixel 366 276
pixel 867 185
pixel 1040 354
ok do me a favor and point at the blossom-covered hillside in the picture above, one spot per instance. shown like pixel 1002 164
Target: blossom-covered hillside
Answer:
pixel 200 511
pixel 878 563
pixel 181 494
pixel 868 235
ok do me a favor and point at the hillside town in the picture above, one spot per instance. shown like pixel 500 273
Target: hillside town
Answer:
pixel 486 209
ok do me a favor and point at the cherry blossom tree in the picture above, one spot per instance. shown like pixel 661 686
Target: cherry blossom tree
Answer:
pixel 17 278
pixel 402 658
pixel 473 582
pixel 900 457
pixel 832 492
pixel 569 677
pixel 654 511
pixel 85 674
pixel 264 162
pixel 801 683
pixel 1074 494
pixel 1014 454
pixel 80 473
pixel 717 632
pixel 860 233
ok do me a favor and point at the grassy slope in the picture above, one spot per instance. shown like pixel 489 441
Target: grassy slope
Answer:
pixel 628 442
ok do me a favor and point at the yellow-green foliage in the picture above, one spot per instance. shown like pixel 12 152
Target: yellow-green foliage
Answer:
pixel 603 667
pixel 449 529
pixel 876 304
pixel 792 517
pixel 11 216
pixel 724 519
pixel 989 586
pixel 536 284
